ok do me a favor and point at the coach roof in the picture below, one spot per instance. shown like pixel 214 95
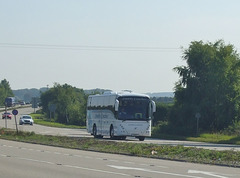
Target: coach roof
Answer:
pixel 109 98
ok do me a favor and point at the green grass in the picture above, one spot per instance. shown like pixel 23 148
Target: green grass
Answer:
pixel 210 138
pixel 205 137
pixel 41 120
pixel 216 138
pixel 189 154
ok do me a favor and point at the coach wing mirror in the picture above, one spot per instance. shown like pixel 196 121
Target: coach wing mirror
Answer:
pixel 153 106
pixel 152 109
pixel 116 105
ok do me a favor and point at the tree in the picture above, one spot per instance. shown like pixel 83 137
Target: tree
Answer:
pixel 70 103
pixel 5 91
pixel 209 85
pixel 161 113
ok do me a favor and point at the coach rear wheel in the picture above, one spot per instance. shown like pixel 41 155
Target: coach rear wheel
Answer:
pixel 112 132
pixel 94 131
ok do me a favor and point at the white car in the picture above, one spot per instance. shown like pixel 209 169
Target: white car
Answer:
pixel 25 119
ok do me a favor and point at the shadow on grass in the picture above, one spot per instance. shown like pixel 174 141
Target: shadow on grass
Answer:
pixel 234 140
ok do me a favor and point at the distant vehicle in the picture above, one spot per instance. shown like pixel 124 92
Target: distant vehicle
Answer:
pixel 22 103
pixel 120 114
pixel 7 115
pixel 25 119
pixel 10 101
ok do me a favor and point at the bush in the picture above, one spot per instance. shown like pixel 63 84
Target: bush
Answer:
pixel 164 127
pixel 162 113
pixel 233 129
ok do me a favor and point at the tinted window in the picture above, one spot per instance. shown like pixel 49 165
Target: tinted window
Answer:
pixel 133 108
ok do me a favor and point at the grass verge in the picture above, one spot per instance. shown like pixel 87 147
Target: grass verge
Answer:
pixel 205 137
pixel 39 119
pixel 216 138
pixel 180 153
pixel 210 138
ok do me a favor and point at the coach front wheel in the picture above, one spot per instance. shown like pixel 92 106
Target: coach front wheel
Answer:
pixel 141 138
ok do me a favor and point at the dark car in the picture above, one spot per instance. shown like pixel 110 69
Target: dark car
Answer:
pixel 22 103
pixel 7 115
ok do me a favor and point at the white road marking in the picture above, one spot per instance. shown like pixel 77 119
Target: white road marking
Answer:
pixel 165 167
pixel 128 162
pixel 205 173
pixel 143 164
pixel 68 166
pixel 99 158
pixel 113 160
pixel 79 156
pixel 117 167
pixel 156 166
pixel 151 171
pixel 88 157
pixel 35 160
pixel 97 170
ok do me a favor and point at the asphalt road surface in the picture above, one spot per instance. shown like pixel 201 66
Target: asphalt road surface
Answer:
pixel 25 160
pixel 82 133
pixel 30 160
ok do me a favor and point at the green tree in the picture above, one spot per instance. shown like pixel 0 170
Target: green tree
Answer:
pixel 70 104
pixel 5 91
pixel 161 113
pixel 209 85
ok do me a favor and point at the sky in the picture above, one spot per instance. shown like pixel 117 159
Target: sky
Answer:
pixel 107 44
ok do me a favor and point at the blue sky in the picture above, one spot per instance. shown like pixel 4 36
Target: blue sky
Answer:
pixel 109 44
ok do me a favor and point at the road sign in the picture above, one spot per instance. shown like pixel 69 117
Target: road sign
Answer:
pixel 52 107
pixel 198 115
pixel 15 112
pixel 34 102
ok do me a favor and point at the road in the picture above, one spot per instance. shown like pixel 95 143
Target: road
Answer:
pixel 25 160
pixel 31 160
pixel 82 133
